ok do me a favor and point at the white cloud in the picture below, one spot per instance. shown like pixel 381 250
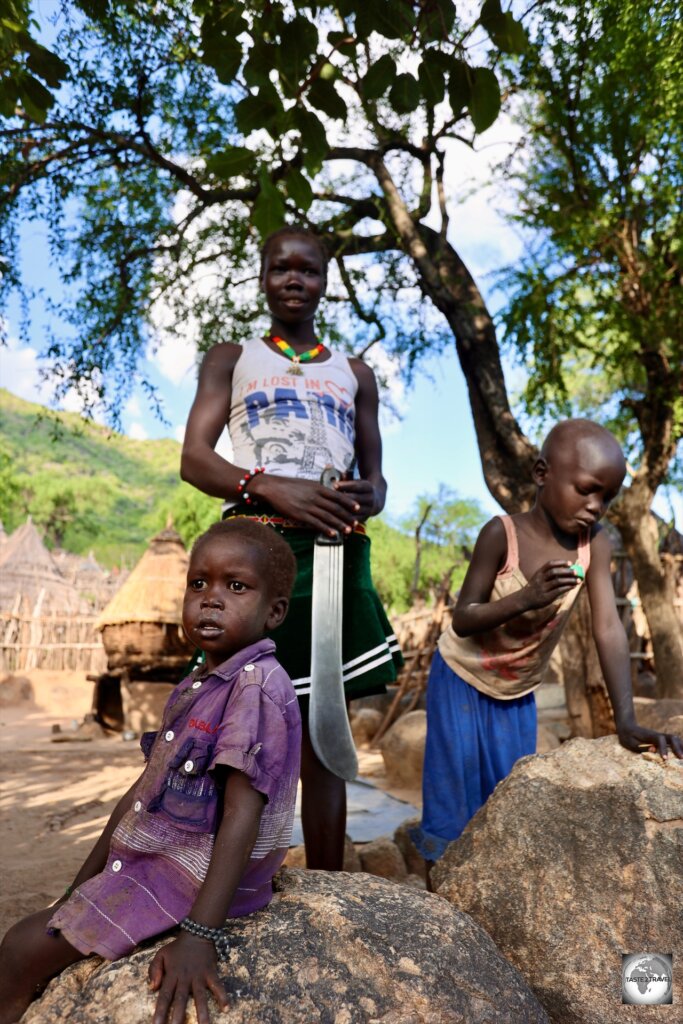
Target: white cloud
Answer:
pixel 78 401
pixel 478 229
pixel 137 432
pixel 179 432
pixel 173 357
pixel 393 398
pixel 19 371
pixel 133 407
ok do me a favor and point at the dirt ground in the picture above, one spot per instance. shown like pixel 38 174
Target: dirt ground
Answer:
pixel 55 798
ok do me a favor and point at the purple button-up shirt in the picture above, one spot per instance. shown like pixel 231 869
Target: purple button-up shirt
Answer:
pixel 243 715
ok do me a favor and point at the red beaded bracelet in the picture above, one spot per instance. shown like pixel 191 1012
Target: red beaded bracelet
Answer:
pixel 249 475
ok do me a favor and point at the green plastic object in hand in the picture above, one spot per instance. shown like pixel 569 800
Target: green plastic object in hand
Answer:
pixel 578 570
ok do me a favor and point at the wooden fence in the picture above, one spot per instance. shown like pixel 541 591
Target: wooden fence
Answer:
pixel 49 641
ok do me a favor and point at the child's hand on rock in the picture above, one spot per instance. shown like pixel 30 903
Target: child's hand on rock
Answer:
pixel 185 967
pixel 637 738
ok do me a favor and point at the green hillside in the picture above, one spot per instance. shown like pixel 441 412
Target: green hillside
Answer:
pixel 89 487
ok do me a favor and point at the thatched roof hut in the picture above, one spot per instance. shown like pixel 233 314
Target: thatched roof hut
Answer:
pixel 30 580
pixel 96 586
pixel 141 625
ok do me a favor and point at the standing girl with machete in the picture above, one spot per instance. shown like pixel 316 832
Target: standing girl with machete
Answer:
pixel 293 408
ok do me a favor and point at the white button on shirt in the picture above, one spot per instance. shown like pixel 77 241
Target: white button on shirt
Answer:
pixel 189 765
pixel 248 668
pixel 195 686
pixel 117 865
pixel 169 735
pixel 137 806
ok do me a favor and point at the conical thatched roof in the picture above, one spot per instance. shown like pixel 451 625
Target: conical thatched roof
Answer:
pixel 28 570
pixel 155 588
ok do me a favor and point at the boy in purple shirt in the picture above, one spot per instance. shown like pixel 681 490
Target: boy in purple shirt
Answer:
pixel 199 836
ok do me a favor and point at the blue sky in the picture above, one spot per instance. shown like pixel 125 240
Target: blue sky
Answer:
pixel 433 442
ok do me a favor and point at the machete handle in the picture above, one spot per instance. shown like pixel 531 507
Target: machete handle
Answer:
pixel 329 476
pixel 323 541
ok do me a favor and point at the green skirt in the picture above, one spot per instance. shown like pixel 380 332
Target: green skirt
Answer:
pixel 371 656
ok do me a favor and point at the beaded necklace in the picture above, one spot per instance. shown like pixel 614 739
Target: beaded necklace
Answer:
pixel 296 357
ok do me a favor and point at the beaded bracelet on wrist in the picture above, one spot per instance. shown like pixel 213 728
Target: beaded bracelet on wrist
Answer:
pixel 219 936
pixel 249 475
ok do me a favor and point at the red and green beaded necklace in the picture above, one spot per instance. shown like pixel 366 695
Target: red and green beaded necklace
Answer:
pixel 296 357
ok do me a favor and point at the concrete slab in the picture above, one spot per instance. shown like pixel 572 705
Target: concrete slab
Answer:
pixel 370 813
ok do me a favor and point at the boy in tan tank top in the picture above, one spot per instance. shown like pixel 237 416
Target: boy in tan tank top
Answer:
pixel 525 574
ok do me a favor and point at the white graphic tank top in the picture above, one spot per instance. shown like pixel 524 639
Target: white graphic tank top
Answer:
pixel 294 426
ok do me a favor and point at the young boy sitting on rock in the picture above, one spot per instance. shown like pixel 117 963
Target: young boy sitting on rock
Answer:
pixel 199 836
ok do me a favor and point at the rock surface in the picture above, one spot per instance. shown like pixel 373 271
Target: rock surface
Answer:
pixel 403 750
pixel 414 860
pixel 382 857
pixel 331 949
pixel 364 724
pixel 296 856
pixel 663 715
pixel 14 690
pixel 576 859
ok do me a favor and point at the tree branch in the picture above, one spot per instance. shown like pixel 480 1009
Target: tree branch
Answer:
pixel 368 318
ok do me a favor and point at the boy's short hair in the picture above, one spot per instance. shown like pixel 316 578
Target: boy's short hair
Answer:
pixel 575 431
pixel 277 555
pixel 300 232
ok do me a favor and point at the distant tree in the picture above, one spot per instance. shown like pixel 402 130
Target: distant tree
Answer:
pixel 191 513
pixel 423 511
pixel 392 561
pixel 597 307
pixel 10 490
pixel 445 528
pixel 58 507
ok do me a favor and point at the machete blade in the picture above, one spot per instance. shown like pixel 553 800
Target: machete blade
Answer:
pixel 328 719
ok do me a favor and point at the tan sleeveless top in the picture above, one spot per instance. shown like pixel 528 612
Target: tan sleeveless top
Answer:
pixel 510 661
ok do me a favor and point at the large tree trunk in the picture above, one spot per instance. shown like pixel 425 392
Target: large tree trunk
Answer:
pixel 631 514
pixel 588 703
pixel 638 528
pixel 506 453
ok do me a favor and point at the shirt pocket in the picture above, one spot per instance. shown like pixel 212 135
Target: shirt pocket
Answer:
pixel 147 742
pixel 189 797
